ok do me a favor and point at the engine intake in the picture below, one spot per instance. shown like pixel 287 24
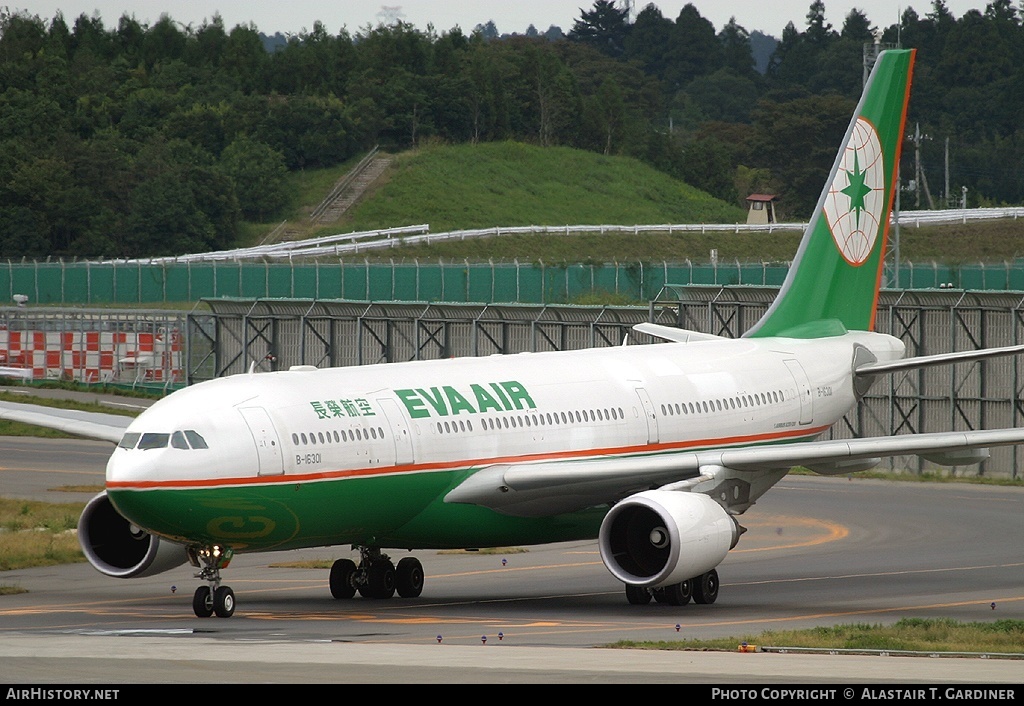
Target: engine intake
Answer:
pixel 117 548
pixel 661 537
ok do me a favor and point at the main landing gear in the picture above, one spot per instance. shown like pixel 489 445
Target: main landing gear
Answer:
pixel 212 598
pixel 376 576
pixel 701 589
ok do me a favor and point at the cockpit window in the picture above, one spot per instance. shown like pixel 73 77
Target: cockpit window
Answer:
pixel 153 440
pixel 195 439
pixel 188 439
pixel 129 440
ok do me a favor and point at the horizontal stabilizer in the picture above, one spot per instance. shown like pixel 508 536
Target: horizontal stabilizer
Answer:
pixel 938 359
pixel 671 333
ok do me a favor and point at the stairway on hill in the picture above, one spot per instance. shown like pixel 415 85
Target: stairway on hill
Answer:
pixel 346 192
pixel 360 182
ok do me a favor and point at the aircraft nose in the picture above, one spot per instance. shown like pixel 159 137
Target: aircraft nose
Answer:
pixel 122 466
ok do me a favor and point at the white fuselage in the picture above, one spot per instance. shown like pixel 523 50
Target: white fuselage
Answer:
pixel 471 412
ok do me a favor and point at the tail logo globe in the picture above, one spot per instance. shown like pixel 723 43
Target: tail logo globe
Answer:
pixel 855 202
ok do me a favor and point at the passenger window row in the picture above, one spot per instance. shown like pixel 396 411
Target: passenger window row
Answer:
pixel 335 436
pixel 725 404
pixel 536 419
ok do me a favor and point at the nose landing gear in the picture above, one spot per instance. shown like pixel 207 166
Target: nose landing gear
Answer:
pixel 212 598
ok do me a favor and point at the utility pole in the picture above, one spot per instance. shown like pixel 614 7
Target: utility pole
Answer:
pixel 945 194
pixel 920 181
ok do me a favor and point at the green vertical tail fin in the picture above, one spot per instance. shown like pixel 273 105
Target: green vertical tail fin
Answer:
pixel 837 270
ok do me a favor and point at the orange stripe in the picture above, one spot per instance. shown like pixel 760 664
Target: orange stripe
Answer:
pixel 445 466
pixel 893 186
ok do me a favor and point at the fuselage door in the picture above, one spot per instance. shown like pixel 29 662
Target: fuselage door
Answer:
pixel 803 390
pixel 264 435
pixel 652 419
pixel 399 431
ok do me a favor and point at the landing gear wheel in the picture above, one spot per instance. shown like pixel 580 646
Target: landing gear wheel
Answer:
pixel 705 587
pixel 637 595
pixel 211 598
pixel 224 602
pixel 409 577
pixel 202 602
pixel 342 572
pixel 677 593
pixel 380 580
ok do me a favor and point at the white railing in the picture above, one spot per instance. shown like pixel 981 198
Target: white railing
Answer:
pixel 365 241
pixel 959 215
pixel 324 245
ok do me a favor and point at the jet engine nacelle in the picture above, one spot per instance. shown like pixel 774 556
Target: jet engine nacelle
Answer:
pixel 118 548
pixel 661 537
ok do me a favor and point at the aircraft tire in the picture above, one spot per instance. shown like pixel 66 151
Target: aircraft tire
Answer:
pixel 380 581
pixel 342 572
pixel 202 602
pixel 224 602
pixel 705 588
pixel 678 593
pixel 409 578
pixel 637 595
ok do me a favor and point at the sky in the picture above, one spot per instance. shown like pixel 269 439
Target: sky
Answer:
pixel 294 16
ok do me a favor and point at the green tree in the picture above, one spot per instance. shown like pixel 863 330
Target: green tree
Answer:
pixel 857 27
pixel 648 41
pixel 258 173
pixel 165 219
pixel 245 64
pixel 552 92
pixel 737 54
pixel 810 127
pixel 818 32
pixel 604 27
pixel 798 58
pixel 694 49
pixel 180 202
pixel 708 167
pixel 606 115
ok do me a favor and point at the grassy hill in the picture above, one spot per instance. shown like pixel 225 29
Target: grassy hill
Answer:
pixel 514 184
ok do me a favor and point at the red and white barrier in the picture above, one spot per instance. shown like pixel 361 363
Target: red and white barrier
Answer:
pixel 93 356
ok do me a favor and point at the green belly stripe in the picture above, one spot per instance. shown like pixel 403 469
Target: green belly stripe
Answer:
pixel 406 512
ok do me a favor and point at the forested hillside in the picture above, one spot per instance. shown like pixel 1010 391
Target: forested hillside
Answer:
pixel 119 139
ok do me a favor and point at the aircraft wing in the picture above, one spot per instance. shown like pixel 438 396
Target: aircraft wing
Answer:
pixel 90 425
pixel 554 487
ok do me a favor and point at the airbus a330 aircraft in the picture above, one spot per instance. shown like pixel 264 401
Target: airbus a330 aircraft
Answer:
pixel 656 450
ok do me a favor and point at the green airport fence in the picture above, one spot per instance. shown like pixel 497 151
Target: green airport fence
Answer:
pixel 134 283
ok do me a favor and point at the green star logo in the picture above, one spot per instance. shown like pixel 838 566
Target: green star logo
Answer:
pixel 856 190
pixel 855 204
